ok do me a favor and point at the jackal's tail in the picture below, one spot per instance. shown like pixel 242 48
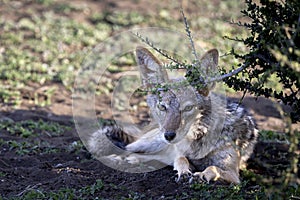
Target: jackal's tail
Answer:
pixel 118 136
pixel 114 134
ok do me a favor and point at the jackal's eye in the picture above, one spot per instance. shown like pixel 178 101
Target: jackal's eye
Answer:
pixel 161 107
pixel 188 108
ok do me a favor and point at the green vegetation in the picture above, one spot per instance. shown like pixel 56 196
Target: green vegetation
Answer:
pixel 196 191
pixel 86 192
pixel 24 137
pixel 267 135
pixel 30 128
pixel 274 54
pixel 42 48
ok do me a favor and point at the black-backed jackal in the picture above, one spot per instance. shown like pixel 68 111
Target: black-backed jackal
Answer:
pixel 194 130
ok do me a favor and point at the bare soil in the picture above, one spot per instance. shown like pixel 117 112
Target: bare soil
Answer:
pixel 53 171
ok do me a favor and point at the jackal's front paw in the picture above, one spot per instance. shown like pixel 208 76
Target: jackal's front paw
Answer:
pixel 200 177
pixel 210 173
pixel 181 165
pixel 131 159
pixel 114 157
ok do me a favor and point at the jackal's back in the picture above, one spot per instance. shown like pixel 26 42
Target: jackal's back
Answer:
pixel 238 129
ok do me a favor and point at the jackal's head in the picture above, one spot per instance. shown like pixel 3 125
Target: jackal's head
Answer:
pixel 173 109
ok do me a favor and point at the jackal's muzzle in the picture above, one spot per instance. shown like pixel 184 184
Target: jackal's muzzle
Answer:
pixel 171 123
pixel 170 135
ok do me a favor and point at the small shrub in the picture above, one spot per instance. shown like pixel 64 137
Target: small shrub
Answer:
pixel 274 54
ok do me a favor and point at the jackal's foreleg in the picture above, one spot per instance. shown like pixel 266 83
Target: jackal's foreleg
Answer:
pixel 223 166
pixel 152 142
pixel 182 166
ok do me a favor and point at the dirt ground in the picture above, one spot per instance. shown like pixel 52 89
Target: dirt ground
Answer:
pixel 77 169
pixel 51 172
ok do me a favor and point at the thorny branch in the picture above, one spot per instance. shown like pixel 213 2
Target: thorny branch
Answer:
pixel 187 29
pixel 234 72
pixel 160 51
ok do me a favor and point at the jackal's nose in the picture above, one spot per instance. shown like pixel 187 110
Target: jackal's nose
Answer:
pixel 170 135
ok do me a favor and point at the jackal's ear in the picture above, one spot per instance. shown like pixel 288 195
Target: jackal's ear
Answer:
pixel 209 65
pixel 209 62
pixel 151 70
